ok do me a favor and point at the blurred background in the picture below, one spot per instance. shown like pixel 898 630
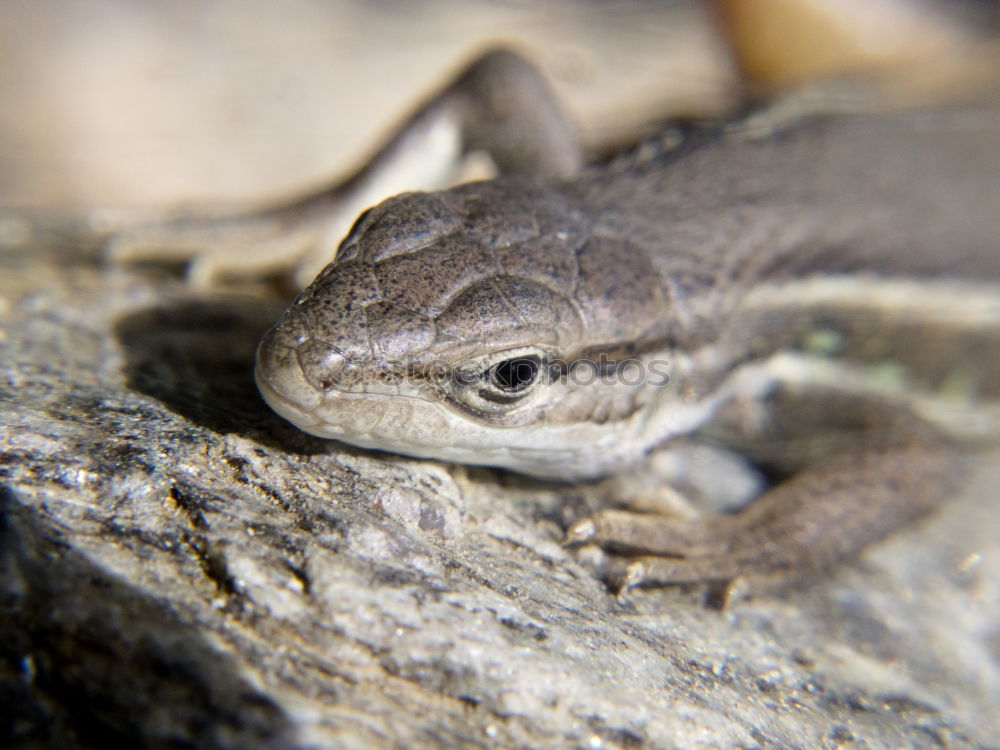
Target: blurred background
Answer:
pixel 128 105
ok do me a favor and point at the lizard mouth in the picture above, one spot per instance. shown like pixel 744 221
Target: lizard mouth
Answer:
pixel 341 416
pixel 366 418
pixel 283 386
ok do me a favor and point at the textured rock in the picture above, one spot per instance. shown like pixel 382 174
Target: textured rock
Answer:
pixel 180 568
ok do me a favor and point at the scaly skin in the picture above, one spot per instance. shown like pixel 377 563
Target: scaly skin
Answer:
pixel 770 269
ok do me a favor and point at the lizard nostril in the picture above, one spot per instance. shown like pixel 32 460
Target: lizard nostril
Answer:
pixel 326 367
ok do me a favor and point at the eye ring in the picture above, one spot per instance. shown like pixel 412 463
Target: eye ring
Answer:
pixel 502 387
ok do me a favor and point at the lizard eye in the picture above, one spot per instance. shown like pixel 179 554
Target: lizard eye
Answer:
pixel 514 375
pixel 500 383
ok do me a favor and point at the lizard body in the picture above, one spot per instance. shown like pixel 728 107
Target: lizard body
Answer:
pixel 822 294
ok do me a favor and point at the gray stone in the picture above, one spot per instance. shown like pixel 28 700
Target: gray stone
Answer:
pixel 180 568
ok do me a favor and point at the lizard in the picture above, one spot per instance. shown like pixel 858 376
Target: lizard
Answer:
pixel 817 292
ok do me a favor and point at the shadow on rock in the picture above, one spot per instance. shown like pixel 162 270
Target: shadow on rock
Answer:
pixel 198 359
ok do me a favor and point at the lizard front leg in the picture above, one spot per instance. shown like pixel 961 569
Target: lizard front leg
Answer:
pixel 822 515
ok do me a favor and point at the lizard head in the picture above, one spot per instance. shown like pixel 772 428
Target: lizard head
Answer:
pixel 471 325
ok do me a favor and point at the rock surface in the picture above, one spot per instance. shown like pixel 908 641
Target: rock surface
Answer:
pixel 180 568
